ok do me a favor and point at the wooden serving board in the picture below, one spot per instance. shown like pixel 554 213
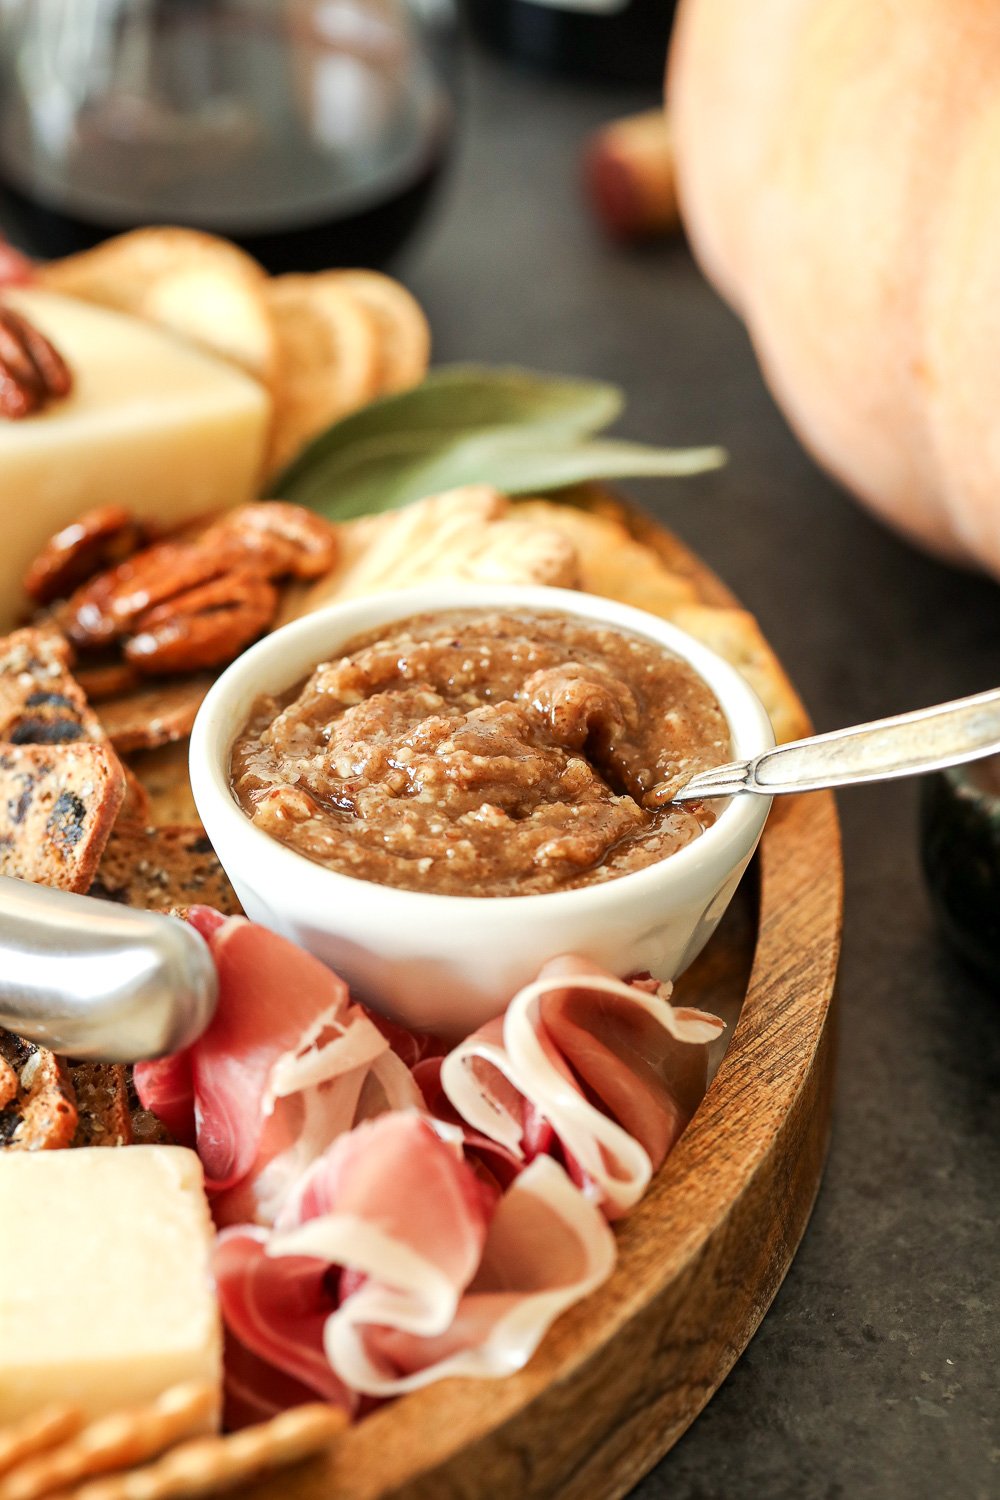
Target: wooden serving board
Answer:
pixel 620 1376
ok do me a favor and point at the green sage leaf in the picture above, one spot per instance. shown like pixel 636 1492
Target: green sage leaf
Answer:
pixel 515 429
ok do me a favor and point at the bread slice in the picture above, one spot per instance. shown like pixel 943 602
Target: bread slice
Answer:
pixel 43 703
pixel 328 348
pixel 196 285
pixel 48 1104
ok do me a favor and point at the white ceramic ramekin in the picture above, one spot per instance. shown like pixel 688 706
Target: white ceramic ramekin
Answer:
pixel 448 963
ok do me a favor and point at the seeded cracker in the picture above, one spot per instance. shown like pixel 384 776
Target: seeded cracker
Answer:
pixel 103 1109
pixel 164 775
pixel 155 715
pixel 163 868
pixel 58 805
pixel 42 705
pixel 40 702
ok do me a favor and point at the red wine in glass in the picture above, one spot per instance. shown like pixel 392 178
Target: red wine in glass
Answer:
pixel 312 132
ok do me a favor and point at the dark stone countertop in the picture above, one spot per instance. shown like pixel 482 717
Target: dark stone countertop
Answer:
pixel 875 1373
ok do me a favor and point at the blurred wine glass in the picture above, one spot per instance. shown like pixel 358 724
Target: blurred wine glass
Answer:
pixel 311 131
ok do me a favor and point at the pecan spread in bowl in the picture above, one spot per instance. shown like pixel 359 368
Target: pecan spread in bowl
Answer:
pixel 481 753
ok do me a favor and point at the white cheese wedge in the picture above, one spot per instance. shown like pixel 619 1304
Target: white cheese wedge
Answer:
pixel 151 423
pixel 106 1292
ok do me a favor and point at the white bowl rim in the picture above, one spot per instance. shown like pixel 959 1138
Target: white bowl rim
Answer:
pixel 213 734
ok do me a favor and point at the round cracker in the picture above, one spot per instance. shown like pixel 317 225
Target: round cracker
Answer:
pixel 404 332
pixel 197 285
pixel 328 347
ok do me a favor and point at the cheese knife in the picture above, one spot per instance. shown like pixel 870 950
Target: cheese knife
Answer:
pixel 100 982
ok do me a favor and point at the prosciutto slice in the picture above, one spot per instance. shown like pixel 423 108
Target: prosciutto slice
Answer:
pixel 287 1065
pixel 613 1068
pixel 376 1235
pixel 547 1247
pixel 393 1267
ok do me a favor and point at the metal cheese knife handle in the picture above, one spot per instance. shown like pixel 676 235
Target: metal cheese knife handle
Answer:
pixel 97 981
pixel 926 740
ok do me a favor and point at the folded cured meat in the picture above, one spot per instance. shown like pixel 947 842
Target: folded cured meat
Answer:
pixel 376 1236
pixel 547 1247
pixel 286 1066
pixel 614 1069
pixel 393 1266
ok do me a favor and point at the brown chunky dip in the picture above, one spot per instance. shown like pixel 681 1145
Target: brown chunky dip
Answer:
pixel 484 753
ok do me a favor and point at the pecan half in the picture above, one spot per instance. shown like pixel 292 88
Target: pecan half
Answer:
pixel 32 371
pixel 109 605
pixel 203 627
pixel 101 538
pixel 280 539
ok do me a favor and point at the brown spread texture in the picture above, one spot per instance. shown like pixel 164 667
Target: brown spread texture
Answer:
pixel 483 753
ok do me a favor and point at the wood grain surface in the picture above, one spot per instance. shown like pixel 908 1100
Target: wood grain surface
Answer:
pixel 620 1376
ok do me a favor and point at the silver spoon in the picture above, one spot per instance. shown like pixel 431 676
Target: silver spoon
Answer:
pixel 928 739
pixel 98 981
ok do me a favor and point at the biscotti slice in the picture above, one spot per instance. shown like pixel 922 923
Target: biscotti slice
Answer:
pixel 58 804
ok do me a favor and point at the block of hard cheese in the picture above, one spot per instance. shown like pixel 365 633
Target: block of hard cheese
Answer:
pixel 152 423
pixel 106 1292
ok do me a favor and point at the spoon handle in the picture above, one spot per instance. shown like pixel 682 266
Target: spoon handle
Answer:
pixel 906 745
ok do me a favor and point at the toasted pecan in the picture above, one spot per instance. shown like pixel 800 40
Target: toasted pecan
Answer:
pixel 280 539
pixel 99 539
pixel 107 606
pixel 205 626
pixel 32 371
